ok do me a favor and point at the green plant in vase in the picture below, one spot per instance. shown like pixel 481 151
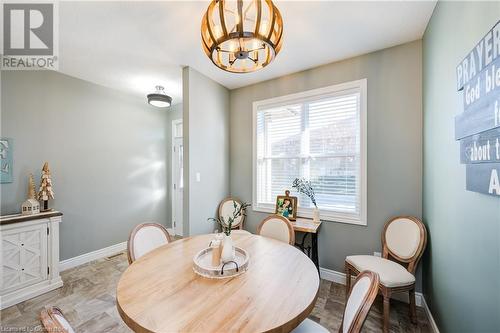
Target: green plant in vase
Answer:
pixel 226 224
pixel 304 186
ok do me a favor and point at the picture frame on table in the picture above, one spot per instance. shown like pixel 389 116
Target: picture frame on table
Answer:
pixel 286 206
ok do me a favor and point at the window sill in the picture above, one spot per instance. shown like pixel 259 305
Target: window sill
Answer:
pixel 326 217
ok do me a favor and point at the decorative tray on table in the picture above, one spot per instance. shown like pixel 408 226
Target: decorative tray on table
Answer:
pixel 202 264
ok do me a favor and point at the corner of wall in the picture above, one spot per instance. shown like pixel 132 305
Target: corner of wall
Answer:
pixel 206 154
pixel 185 133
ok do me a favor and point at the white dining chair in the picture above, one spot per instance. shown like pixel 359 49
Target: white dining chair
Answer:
pixel 226 209
pixel 53 320
pixel 403 242
pixel 359 302
pixel 277 227
pixel 144 238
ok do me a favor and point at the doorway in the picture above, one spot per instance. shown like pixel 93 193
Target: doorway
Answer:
pixel 177 177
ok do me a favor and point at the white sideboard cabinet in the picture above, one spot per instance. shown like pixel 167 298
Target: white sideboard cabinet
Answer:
pixel 29 256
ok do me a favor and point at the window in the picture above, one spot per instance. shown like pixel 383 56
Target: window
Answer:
pixel 319 135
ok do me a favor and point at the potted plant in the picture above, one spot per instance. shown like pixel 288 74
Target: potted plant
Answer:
pixel 226 224
pixel 304 186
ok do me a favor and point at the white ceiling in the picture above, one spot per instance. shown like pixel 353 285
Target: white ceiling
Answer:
pixel 133 46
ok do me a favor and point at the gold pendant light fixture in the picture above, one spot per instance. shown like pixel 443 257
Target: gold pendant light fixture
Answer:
pixel 242 36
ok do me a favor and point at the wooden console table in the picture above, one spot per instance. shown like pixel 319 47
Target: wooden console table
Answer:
pixel 308 227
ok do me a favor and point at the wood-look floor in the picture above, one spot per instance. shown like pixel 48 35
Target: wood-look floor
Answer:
pixel 88 301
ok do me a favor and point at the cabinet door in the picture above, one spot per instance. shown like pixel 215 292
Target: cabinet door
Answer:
pixel 24 256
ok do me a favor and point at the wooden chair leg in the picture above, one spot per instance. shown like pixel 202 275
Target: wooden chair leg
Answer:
pixel 386 313
pixel 347 282
pixel 413 309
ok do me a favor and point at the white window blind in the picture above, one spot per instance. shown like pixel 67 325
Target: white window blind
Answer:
pixel 318 136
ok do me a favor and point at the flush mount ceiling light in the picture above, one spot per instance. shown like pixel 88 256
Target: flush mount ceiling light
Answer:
pixel 242 36
pixel 159 98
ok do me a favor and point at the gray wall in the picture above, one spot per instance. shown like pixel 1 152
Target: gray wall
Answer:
pixel 206 137
pixel 106 151
pixel 394 142
pixel 462 264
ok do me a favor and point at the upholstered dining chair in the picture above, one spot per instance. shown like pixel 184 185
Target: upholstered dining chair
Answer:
pixel 144 238
pixel 226 209
pixel 277 227
pixel 403 243
pixel 359 302
pixel 54 321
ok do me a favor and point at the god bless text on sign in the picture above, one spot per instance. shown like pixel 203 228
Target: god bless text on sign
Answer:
pixel 478 127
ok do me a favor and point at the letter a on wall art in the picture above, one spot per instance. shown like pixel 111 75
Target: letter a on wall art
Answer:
pixel 5 160
pixel 478 126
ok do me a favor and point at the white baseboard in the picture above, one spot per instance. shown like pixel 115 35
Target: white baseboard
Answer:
pixel 434 327
pixel 331 275
pixel 339 277
pixel 91 256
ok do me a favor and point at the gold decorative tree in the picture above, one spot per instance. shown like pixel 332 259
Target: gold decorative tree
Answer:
pixel 31 188
pixel 45 193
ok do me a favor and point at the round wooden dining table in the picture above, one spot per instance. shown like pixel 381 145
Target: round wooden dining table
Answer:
pixel 160 292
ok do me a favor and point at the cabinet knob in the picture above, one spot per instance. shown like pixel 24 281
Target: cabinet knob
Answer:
pixel 22 269
pixel 22 244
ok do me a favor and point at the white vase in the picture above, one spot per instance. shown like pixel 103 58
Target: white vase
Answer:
pixel 316 215
pixel 227 249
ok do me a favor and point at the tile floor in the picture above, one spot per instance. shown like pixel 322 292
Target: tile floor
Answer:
pixel 88 301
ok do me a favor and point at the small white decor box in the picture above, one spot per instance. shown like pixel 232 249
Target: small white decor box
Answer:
pixel 30 256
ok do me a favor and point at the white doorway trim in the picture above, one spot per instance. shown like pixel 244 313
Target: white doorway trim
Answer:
pixel 177 226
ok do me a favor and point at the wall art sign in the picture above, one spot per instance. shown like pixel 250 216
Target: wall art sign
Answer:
pixel 478 126
pixel 5 160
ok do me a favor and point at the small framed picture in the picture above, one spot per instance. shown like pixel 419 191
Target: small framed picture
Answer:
pixel 5 160
pixel 286 206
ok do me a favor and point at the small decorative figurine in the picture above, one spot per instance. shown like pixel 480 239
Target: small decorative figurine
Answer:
pixel 31 206
pixel 45 193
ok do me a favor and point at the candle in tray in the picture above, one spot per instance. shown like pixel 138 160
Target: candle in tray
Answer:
pixel 220 238
pixel 216 250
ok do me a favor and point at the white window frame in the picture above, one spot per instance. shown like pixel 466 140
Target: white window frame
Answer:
pixel 361 86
